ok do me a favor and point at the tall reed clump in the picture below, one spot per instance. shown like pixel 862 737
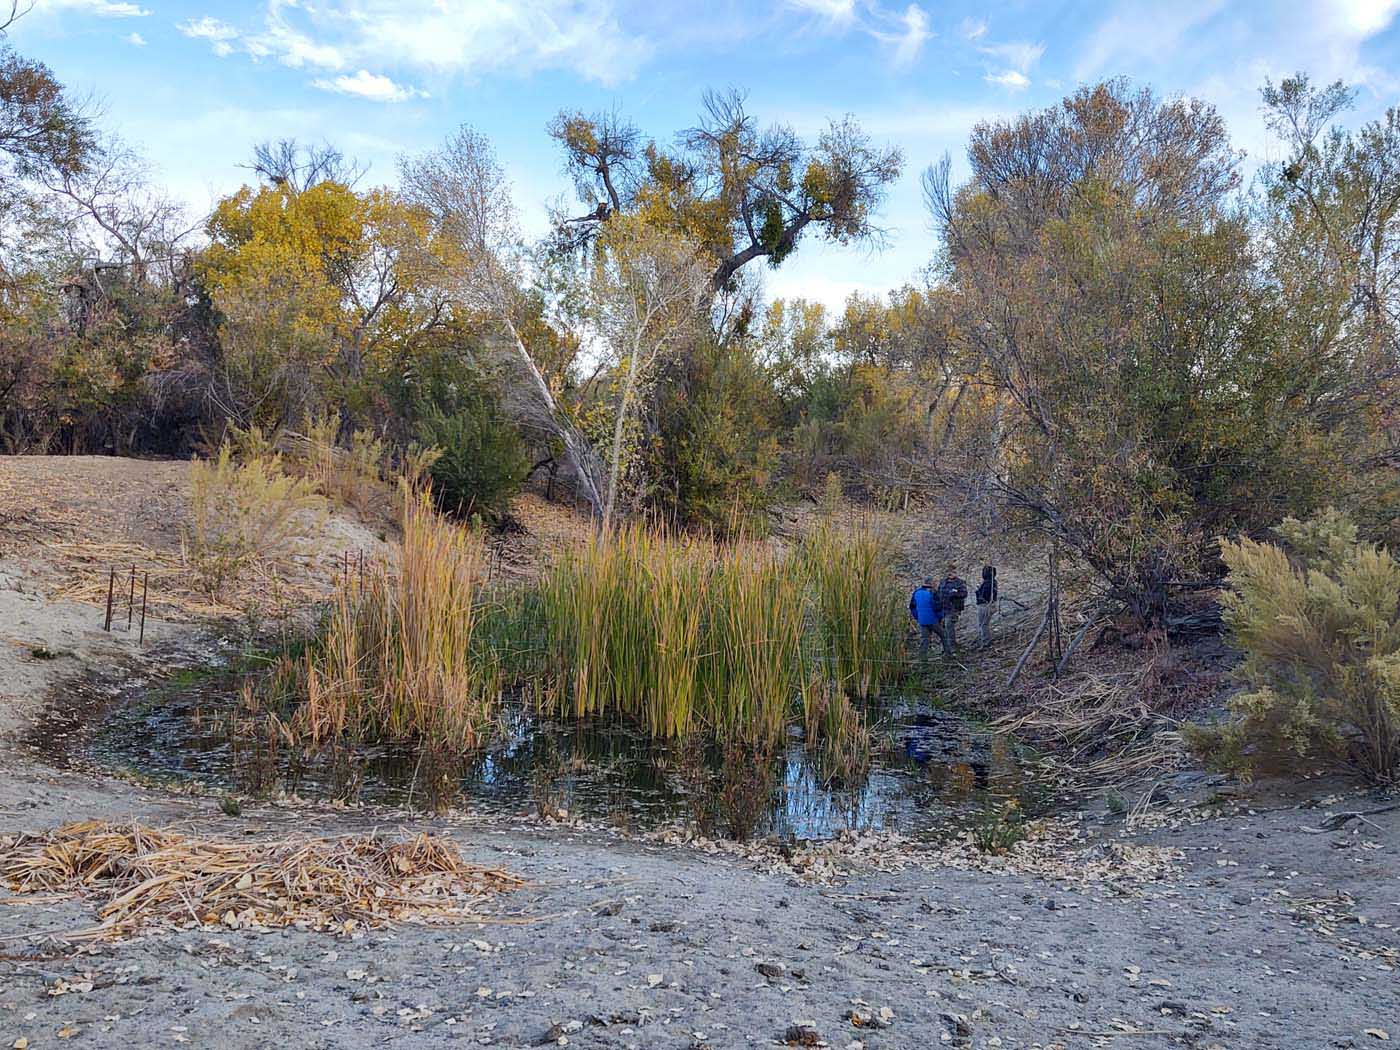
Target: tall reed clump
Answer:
pixel 624 628
pixel 753 668
pixel 402 655
pixel 855 603
pixel 669 632
pixel 738 641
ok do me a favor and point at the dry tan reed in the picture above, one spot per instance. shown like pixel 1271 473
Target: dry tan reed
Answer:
pixel 400 658
pixel 139 876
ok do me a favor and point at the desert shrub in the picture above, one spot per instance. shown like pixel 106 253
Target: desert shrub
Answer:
pixel 352 471
pixel 999 832
pixel 242 512
pixel 348 469
pixel 401 657
pixel 481 463
pixel 1318 621
pixel 714 447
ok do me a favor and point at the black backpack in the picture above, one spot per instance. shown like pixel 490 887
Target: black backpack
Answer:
pixel 957 596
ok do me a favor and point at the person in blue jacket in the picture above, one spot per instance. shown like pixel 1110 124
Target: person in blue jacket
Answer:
pixel 926 611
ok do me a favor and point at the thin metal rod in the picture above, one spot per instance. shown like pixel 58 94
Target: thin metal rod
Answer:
pixel 111 587
pixel 131 598
pixel 145 584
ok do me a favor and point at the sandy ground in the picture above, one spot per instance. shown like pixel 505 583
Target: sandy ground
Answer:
pixel 1262 931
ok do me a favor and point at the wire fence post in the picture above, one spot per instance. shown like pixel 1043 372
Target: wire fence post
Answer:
pixel 145 585
pixel 111 587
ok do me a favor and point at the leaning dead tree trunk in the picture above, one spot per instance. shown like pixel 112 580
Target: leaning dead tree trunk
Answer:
pixel 577 451
pixel 1095 618
pixel 1021 663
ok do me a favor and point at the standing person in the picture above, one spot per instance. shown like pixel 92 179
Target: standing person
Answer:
pixel 926 611
pixel 952 596
pixel 986 603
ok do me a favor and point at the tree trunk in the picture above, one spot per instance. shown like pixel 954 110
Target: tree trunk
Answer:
pixel 618 429
pixel 576 450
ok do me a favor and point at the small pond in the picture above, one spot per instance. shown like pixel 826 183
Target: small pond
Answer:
pixel 931 773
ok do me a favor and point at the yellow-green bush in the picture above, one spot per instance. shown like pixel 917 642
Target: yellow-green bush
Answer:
pixel 241 512
pixel 1318 621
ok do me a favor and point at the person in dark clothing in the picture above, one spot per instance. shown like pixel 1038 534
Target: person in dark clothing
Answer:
pixel 952 596
pixel 926 611
pixel 986 603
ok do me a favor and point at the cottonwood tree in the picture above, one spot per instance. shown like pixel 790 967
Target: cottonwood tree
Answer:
pixel 115 218
pixel 644 288
pixel 739 192
pixel 1331 224
pixel 297 166
pixel 43 129
pixel 313 286
pixel 464 192
pixel 1102 283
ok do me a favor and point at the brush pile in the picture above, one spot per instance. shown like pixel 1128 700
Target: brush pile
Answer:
pixel 139 876
pixel 1110 726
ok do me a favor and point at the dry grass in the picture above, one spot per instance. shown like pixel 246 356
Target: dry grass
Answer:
pixel 1107 727
pixel 402 656
pixel 139 876
pixel 173 593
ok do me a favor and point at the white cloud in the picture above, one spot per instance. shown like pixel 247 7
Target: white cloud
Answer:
pixel 974 29
pixel 437 37
pixel 1014 60
pixel 135 39
pixel 372 86
pixel 835 10
pixel 100 8
pixel 207 28
pixel 1140 33
pixel 904 32
pixel 1019 55
pixel 1010 78
pixel 910 40
pixel 1363 18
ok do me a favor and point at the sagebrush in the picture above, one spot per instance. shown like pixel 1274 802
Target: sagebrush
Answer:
pixel 1317 618
pixel 242 512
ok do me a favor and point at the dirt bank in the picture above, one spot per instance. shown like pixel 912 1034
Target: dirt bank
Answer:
pixel 1266 935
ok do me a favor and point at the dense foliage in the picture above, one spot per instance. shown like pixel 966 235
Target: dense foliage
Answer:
pixel 1117 344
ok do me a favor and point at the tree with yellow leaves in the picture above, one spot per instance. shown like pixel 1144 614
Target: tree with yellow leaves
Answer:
pixel 310 286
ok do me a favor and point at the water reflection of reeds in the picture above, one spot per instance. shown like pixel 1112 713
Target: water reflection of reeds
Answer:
pixel 929 771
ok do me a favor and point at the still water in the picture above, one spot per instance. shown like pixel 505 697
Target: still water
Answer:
pixel 931 773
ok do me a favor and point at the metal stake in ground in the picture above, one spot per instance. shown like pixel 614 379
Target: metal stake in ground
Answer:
pixel 131 599
pixel 111 586
pixel 145 584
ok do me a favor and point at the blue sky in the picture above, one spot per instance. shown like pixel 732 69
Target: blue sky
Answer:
pixel 195 84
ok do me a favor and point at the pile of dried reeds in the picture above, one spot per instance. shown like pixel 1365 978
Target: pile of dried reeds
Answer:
pixel 1105 726
pixel 141 876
